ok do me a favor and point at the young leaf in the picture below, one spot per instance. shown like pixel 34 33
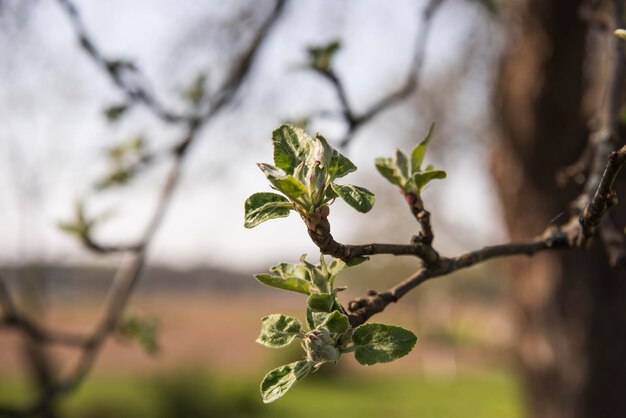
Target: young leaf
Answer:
pixel 313 319
pixel 402 162
pixel 421 179
pixel 321 56
pixel 337 323
pixel 286 183
pixel 277 382
pixel 278 330
pixel 336 265
pixel 291 145
pixel 339 166
pixel 389 170
pixel 115 112
pixel 195 93
pixel 359 198
pixel 261 207
pixel 321 302
pixel 380 343
pixel 286 283
pixel 143 331
pixel 297 270
pixel 417 155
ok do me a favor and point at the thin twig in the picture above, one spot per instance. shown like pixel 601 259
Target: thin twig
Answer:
pixel 354 121
pixel 119 70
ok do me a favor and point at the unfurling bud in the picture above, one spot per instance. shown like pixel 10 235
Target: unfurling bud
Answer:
pixel 320 346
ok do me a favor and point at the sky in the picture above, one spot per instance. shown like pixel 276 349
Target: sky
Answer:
pixel 53 135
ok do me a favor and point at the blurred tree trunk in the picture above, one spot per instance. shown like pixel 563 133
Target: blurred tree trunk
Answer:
pixel 570 308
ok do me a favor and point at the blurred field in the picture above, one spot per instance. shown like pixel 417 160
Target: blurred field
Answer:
pixel 209 365
pixel 197 394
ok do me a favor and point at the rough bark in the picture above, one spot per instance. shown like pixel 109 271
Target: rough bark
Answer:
pixel 570 307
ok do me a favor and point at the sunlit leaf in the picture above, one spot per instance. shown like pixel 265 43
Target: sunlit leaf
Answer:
pixel 264 206
pixel 359 198
pixel 417 155
pixel 277 382
pixel 381 343
pixel 291 146
pixel 278 330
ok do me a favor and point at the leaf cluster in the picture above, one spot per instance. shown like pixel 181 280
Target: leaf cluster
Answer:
pixel 304 172
pixel 407 173
pixel 141 330
pixel 124 160
pixel 320 57
pixel 330 334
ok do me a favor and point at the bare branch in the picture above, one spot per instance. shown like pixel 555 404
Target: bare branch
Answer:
pixel 118 70
pixel 364 308
pixel 408 87
pixel 319 230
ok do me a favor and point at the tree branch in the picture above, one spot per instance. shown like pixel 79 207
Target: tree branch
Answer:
pixel 128 276
pixel 410 85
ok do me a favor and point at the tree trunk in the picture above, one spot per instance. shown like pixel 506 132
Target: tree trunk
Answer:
pixel 570 308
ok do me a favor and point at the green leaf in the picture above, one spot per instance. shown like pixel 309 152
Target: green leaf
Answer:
pixel 421 179
pixel 359 198
pixel 143 331
pixel 81 225
pixel 277 382
pixel 339 166
pixel 380 343
pixel 321 302
pixel 314 319
pixel 115 112
pixel 320 57
pixel 261 207
pixel 286 183
pixel 336 265
pixel 196 92
pixel 337 323
pixel 389 170
pixel 417 155
pixel 291 146
pixel 278 330
pixel 289 283
pixel 118 177
pixel 402 162
pixel 297 270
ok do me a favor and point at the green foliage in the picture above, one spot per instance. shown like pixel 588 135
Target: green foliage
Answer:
pixel 320 57
pixel 141 330
pixel 278 330
pixel 278 381
pixel 409 175
pixel 263 206
pixel 196 92
pixel 304 171
pixel 359 198
pixel 82 225
pixel 114 112
pixel 330 334
pixel 381 343
pixel 124 160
